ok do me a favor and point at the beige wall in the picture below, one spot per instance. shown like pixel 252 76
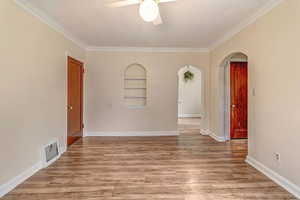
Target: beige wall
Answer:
pixel 273 46
pixel 32 88
pixel 106 110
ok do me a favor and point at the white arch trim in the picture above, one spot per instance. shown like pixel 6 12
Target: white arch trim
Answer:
pixel 224 94
pixel 181 71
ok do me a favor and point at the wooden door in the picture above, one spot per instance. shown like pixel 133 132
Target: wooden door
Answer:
pixel 239 100
pixel 75 100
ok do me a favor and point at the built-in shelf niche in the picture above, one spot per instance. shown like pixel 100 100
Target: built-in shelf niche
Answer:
pixel 135 87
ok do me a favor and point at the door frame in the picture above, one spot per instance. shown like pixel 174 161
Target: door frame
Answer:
pixel 225 92
pixel 67 56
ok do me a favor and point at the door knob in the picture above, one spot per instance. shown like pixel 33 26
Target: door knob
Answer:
pixel 70 107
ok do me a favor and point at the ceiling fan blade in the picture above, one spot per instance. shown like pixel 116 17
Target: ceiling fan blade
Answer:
pixel 158 20
pixel 165 1
pixel 122 3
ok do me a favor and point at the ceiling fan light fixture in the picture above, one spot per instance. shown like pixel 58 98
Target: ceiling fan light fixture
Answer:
pixel 149 10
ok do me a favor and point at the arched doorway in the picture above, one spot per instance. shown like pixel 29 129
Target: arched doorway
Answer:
pixel 190 96
pixel 234 96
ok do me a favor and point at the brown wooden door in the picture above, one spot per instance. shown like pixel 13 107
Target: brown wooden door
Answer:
pixel 75 100
pixel 239 100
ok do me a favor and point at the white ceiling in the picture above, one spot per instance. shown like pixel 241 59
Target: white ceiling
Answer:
pixel 187 23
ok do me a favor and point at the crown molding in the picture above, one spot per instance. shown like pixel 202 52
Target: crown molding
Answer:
pixel 45 18
pixel 148 49
pixel 244 24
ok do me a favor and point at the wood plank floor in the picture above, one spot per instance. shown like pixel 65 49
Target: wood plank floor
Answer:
pixel 188 167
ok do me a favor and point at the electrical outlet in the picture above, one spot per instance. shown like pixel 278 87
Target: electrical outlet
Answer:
pixel 277 157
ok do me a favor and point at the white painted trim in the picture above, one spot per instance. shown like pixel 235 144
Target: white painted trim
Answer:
pixel 238 60
pixel 45 18
pixel 10 185
pixel 148 49
pixel 225 117
pixel 14 182
pixel 217 138
pixel 189 115
pixel 85 134
pixel 224 80
pixel 134 133
pixel 204 132
pixel 212 135
pixel 63 149
pixel 237 29
pixel 277 178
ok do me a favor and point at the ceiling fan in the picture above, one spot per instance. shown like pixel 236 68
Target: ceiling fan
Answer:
pixel 149 10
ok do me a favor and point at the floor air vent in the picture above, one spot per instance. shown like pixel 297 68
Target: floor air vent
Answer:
pixel 51 153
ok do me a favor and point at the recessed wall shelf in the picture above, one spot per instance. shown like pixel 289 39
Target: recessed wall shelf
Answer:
pixel 135 86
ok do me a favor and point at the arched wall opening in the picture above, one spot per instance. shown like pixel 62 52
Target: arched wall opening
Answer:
pixel 228 107
pixel 191 95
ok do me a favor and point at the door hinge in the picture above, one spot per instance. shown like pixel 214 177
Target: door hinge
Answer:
pixel 83 70
pixel 82 125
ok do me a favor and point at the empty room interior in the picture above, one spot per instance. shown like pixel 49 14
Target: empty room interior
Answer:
pixel 150 99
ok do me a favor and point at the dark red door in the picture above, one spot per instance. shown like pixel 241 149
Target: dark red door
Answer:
pixel 75 100
pixel 239 100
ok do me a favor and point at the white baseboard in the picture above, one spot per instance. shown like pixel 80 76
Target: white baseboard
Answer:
pixel 189 115
pixel 280 180
pixel 134 133
pixel 212 135
pixel 10 185
pixel 217 138
pixel 63 149
pixel 85 134
pixel 204 132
